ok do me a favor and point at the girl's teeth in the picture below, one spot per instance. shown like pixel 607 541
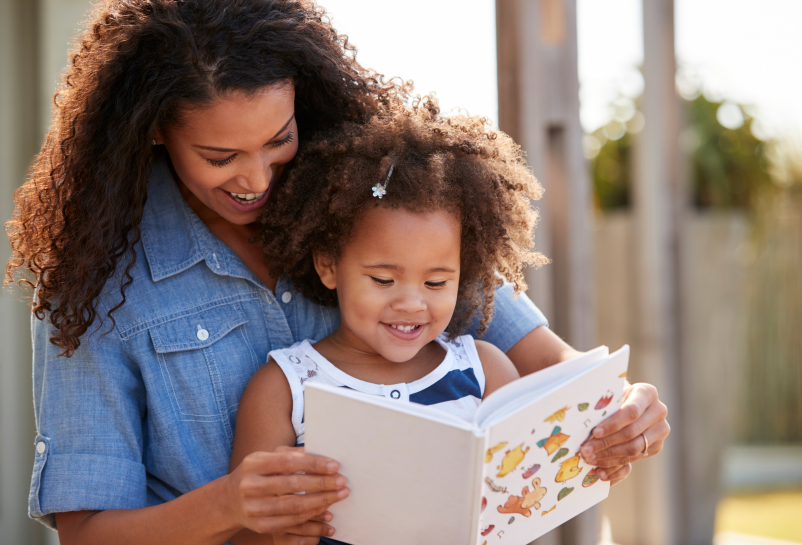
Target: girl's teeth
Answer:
pixel 405 329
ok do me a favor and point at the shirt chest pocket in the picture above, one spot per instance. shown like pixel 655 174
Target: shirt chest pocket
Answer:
pixel 204 356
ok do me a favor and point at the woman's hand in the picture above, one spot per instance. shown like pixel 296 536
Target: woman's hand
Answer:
pixel 308 533
pixel 622 438
pixel 264 492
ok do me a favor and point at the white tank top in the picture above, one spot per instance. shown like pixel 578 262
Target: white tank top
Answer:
pixel 455 386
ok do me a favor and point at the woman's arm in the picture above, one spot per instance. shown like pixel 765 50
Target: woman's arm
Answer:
pixel 264 425
pixel 258 494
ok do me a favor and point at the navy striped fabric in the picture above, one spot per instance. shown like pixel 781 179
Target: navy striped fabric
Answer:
pixel 457 383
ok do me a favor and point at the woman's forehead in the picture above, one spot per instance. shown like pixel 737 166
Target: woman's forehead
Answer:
pixel 239 116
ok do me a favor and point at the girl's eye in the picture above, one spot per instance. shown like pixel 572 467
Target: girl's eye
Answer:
pixel 221 162
pixel 381 281
pixel 436 284
pixel 284 141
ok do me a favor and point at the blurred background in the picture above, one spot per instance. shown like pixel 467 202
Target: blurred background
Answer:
pixel 668 135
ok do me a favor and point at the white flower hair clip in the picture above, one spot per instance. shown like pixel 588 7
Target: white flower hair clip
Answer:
pixel 380 190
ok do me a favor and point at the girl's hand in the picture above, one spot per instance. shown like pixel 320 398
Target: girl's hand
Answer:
pixel 264 491
pixel 618 440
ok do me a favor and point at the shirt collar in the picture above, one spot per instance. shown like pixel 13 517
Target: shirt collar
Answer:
pixel 174 238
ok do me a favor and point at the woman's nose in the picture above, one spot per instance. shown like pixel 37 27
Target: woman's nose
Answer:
pixel 258 177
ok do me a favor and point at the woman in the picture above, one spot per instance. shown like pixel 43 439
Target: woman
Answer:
pixel 175 119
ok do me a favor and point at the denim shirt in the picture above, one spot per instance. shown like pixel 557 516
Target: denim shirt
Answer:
pixel 146 412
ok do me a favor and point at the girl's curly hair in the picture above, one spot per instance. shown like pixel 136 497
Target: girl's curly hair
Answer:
pixel 136 68
pixel 439 163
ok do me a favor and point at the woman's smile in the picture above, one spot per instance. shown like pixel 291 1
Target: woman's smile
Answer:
pixel 246 202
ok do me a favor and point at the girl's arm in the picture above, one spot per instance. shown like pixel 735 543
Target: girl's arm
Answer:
pixel 497 367
pixel 264 425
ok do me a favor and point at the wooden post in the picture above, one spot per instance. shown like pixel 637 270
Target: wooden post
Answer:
pixel 19 139
pixel 539 107
pixel 652 491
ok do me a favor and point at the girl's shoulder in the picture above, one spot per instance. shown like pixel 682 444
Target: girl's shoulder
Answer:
pixel 498 368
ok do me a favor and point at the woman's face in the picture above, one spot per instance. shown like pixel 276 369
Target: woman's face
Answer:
pixel 229 153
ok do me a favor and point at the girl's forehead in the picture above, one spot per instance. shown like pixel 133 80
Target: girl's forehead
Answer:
pixel 400 237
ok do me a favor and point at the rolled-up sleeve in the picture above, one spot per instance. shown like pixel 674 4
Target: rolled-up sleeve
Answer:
pixel 89 410
pixel 513 317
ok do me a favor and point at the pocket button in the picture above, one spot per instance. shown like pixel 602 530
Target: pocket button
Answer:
pixel 202 334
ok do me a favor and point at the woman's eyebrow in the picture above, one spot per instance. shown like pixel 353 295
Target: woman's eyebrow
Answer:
pixel 228 150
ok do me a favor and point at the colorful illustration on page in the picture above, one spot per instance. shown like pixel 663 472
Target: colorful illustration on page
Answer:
pixel 559 415
pixel 554 441
pixel 524 503
pixel 492 450
pixel 568 469
pixel 511 460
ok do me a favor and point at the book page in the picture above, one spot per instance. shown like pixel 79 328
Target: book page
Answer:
pixel 506 399
pixel 534 477
pixel 412 479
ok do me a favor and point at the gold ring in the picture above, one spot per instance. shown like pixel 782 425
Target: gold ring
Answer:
pixel 645 448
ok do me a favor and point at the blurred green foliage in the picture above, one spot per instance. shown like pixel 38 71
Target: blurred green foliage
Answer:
pixel 727 166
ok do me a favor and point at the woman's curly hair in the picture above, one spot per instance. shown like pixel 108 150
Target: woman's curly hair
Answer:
pixel 136 68
pixel 439 163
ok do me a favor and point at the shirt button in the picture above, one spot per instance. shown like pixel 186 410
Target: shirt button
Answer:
pixel 286 297
pixel 40 447
pixel 202 334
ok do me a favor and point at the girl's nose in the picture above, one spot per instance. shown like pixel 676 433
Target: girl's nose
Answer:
pixel 410 301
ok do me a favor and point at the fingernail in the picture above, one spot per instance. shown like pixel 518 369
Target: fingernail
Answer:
pixel 590 457
pixel 602 475
pixel 587 450
pixel 331 466
pixel 598 432
pixel 327 517
pixel 339 482
pixel 342 493
pixel 329 532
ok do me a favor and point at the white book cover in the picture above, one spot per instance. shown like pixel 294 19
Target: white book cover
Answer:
pixel 420 476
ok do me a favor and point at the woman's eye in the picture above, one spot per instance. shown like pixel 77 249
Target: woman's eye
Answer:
pixel 381 281
pixel 284 141
pixel 436 284
pixel 221 162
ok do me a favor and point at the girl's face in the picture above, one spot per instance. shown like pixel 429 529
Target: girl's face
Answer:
pixel 396 281
pixel 228 154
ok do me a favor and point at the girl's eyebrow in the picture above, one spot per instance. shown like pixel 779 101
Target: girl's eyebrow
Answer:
pixel 385 266
pixel 401 269
pixel 228 150
pixel 440 269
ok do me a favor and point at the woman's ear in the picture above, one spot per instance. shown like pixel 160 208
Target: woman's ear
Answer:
pixel 326 268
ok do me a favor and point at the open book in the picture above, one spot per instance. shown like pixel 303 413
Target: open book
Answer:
pixel 419 475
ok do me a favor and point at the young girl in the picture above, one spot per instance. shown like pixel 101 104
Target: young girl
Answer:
pixel 408 224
